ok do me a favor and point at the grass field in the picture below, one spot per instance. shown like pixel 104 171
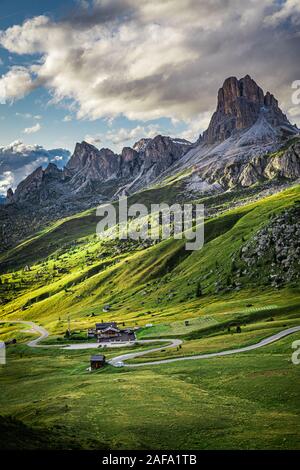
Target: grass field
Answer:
pixel 247 401
pixel 141 285
pixel 238 402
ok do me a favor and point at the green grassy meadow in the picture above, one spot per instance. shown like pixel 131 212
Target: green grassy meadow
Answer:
pixel 246 401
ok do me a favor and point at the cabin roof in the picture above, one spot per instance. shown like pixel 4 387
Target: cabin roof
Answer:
pixel 98 357
pixel 110 328
pixel 104 325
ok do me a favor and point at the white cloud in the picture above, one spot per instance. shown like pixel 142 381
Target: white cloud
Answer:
pixel 18 160
pixel 29 116
pixel 196 126
pixel 32 130
pixel 6 181
pixel 57 158
pixel 147 60
pixel 117 138
pixel 16 83
pixel 289 9
pixel 67 118
pixel 124 136
pixel 93 139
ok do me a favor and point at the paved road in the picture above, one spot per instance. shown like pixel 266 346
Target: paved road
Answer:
pixel 263 342
pixel 119 360
pixel 34 328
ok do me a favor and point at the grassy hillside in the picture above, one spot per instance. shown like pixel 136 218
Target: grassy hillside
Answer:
pixel 234 402
pixel 64 272
pixel 246 401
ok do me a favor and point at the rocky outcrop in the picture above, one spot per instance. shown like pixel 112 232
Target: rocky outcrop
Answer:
pixel 273 253
pixel 42 185
pixel 29 187
pixel 130 163
pixel 283 164
pixel 161 152
pixel 90 164
pixel 246 126
pixel 240 104
pixel 10 195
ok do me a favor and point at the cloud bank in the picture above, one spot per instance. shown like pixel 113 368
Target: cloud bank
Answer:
pixel 18 160
pixel 147 60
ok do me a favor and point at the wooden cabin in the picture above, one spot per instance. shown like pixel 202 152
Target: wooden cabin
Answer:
pixel 107 330
pixel 97 362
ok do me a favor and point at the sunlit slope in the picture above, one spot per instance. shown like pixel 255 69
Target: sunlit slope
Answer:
pixel 58 236
pixel 141 284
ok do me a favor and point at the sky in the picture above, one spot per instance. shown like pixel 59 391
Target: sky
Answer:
pixel 113 71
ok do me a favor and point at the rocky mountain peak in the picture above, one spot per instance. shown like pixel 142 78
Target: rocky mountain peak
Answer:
pixel 161 151
pixel 9 195
pixel 141 144
pixel 83 152
pixel 29 186
pixel 239 105
pixel 233 91
pixel 53 171
pixel 129 154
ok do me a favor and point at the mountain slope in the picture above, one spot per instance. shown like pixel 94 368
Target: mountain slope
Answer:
pixel 246 123
pixel 249 140
pixel 156 282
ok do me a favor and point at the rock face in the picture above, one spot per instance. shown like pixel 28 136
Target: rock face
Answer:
pixel 88 166
pixel 285 165
pixel 40 186
pixel 10 195
pixel 246 143
pixel 275 166
pixel 29 187
pixel 152 150
pixel 246 125
pixel 130 163
pixel 91 163
pixel 275 247
pixel 240 103
pixel 99 172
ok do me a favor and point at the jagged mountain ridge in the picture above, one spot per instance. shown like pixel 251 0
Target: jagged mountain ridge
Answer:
pixel 236 150
pixel 247 123
pixel 89 169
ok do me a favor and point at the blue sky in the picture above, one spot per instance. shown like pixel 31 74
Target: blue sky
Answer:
pixel 58 126
pixel 112 72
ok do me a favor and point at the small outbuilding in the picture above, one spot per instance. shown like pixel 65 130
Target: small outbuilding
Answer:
pixel 97 362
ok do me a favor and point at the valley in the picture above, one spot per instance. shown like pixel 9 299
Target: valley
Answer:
pixel 214 326
pixel 77 276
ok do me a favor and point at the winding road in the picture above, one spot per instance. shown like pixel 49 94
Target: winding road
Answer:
pixel 263 342
pixel 34 328
pixel 119 361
